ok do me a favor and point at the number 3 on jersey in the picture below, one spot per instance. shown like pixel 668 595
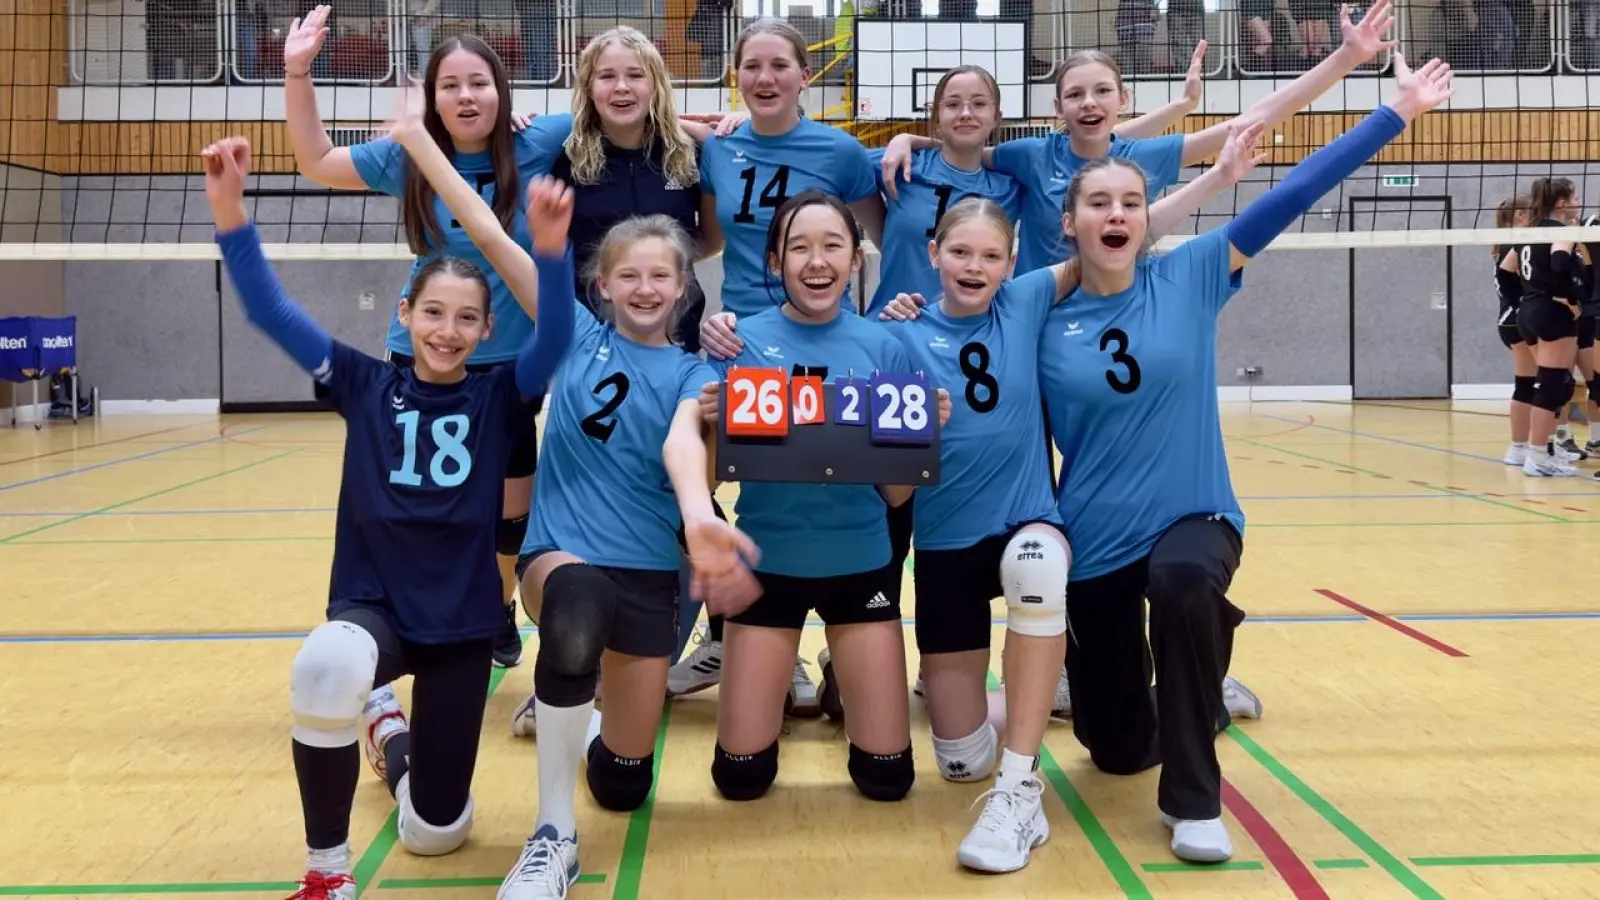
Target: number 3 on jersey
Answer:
pixel 902 410
pixel 449 437
pixel 757 403
pixel 1121 357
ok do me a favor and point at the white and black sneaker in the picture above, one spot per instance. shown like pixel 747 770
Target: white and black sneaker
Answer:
pixel 547 867
pixel 699 670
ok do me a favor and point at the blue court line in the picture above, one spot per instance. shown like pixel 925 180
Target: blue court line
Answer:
pixel 127 459
pixel 810 623
pixel 1378 437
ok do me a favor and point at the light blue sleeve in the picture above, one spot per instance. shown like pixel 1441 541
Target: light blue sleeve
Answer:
pixel 1160 157
pixel 1200 269
pixel 1029 298
pixel 542 143
pixel 857 177
pixel 381 164
pixel 1017 157
pixel 695 376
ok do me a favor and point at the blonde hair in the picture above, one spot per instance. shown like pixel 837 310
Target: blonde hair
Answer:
pixel 772 26
pixel 969 208
pixel 1083 58
pixel 586 145
pixel 632 230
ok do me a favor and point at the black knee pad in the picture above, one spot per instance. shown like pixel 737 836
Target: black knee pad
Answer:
pixel 1594 389
pixel 508 535
pixel 1571 390
pixel 744 777
pixel 1522 388
pixel 618 783
pixel 575 618
pixel 1550 388
pixel 882 778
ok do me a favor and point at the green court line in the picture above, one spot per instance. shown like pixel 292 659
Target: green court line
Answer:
pixel 396 884
pixel 1547 859
pixel 1247 865
pixel 630 871
pixel 1432 487
pixel 1368 845
pixel 1110 855
pixel 238 887
pixel 153 494
pixel 1340 864
pixel 372 858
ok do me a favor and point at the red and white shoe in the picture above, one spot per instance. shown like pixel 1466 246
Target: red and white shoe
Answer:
pixel 381 719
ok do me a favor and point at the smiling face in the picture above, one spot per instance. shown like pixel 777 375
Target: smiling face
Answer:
pixel 1089 98
pixel 1107 217
pixel 466 98
pixel 973 256
pixel 620 87
pixel 966 108
pixel 818 256
pixel 447 316
pixel 643 283
pixel 771 75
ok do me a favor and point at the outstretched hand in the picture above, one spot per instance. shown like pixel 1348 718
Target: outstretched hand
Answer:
pixel 410 106
pixel 549 214
pixel 1422 90
pixel 1367 39
pixel 226 163
pixel 1239 155
pixel 720 557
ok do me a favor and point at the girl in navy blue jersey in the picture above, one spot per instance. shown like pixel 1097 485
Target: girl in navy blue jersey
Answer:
pixel 415 589
pixel 1129 360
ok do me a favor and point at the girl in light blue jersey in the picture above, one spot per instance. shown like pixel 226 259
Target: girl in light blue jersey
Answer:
pixel 990 528
pixel 1090 95
pixel 1129 360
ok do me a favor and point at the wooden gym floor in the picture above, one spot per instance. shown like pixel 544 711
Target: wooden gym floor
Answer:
pixel 1421 651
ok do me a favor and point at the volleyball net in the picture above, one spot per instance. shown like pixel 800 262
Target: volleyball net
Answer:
pixel 107 103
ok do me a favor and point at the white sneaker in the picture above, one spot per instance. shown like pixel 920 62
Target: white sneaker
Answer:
pixel 1062 707
pixel 1516 454
pixel 804 702
pixel 1011 825
pixel 522 721
pixel 381 719
pixel 1199 840
pixel 1541 464
pixel 1565 450
pixel 699 670
pixel 327 876
pixel 1240 701
pixel 547 867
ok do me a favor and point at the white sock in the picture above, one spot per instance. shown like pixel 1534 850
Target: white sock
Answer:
pixel 1015 768
pixel 561 746
pixel 1594 431
pixel 332 861
pixel 969 758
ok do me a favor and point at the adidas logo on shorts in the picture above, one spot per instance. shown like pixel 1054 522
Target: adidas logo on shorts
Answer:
pixel 878 601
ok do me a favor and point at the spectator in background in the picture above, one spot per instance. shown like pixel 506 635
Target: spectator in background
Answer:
pixel 706 29
pixel 421 29
pixel 1313 18
pixel 1186 26
pixel 538 21
pixel 1136 33
pixel 1266 38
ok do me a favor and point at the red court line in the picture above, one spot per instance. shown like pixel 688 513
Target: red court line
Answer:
pixel 1401 627
pixel 121 440
pixel 1295 873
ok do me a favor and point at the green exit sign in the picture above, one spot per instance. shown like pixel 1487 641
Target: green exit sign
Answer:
pixel 1399 181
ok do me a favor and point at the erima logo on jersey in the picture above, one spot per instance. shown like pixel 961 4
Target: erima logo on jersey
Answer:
pixel 773 352
pixel 738 156
pixel 939 343
pixel 398 402
pixel 7 343
pixel 1058 177
pixel 604 353
pixel 1072 330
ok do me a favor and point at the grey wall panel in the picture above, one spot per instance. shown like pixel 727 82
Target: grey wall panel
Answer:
pixel 255 370
pixel 1291 319
pixel 146 330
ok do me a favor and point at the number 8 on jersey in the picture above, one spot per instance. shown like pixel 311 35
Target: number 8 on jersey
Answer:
pixel 903 410
pixel 757 403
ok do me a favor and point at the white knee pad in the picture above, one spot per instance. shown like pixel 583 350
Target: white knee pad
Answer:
pixel 1033 573
pixel 329 682
pixel 422 838
pixel 970 758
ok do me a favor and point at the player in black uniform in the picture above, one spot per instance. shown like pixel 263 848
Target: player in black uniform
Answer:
pixel 1513 213
pixel 1548 319
pixel 415 587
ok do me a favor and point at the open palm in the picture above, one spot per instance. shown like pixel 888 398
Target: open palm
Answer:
pixel 304 40
pixel 1422 90
pixel 1239 155
pixel 1367 38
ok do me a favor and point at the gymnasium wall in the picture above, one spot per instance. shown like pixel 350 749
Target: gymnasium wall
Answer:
pixel 29 205
pixel 173 331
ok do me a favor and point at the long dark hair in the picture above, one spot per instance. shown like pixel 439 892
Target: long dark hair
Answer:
pixel 422 227
pixel 778 230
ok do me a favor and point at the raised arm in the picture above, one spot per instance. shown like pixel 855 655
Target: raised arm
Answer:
pixel 1160 119
pixel 1316 175
pixel 510 261
pixel 1361 43
pixel 1237 158
pixel 265 304
pixel 314 153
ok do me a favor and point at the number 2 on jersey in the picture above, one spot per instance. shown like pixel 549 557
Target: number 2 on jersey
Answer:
pixel 449 436
pixel 599 424
pixel 772 196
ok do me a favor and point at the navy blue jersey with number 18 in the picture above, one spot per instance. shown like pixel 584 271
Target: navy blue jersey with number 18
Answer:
pixel 424 468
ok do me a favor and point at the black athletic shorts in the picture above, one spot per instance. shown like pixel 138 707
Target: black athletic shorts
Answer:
pixel 646 623
pixel 1546 319
pixel 954 591
pixel 838 599
pixel 525 454
pixel 1585 332
pixel 1508 329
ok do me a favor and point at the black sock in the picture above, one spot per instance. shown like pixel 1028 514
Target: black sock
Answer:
pixel 396 758
pixel 327 777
